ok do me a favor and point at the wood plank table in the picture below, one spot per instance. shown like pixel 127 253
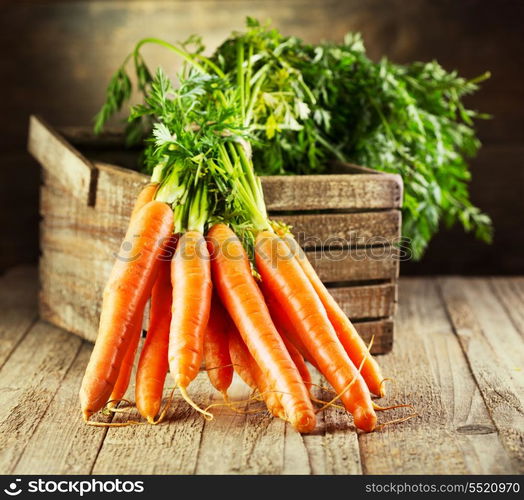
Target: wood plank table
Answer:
pixel 458 358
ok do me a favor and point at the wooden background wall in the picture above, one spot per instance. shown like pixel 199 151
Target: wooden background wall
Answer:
pixel 57 57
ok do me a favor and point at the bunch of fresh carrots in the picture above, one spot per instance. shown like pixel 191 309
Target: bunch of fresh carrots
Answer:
pixel 227 286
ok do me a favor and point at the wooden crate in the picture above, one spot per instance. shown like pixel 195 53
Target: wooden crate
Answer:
pixel 85 205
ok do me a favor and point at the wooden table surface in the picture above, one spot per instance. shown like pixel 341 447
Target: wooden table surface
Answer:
pixel 458 358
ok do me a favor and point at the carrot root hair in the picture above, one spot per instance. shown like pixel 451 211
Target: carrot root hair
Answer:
pixel 114 424
pixel 257 396
pixel 382 390
pixel 397 421
pixel 392 407
pixel 351 382
pixel 232 405
pixel 219 367
pixel 112 405
pixel 190 402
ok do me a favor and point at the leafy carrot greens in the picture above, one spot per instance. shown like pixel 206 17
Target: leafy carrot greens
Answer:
pixel 299 106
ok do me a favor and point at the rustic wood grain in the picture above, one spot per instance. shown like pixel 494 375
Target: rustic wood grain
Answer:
pixel 495 351
pixel 169 448
pixel 251 439
pixel 380 331
pixel 366 301
pixel 67 280
pixel 454 431
pixel 358 264
pixel 322 192
pixel 30 378
pixel 343 230
pixel 330 231
pixel 18 294
pixel 436 364
pixel 58 157
pixel 510 292
pixel 74 449
pixel 288 193
pixel 227 428
pixel 333 447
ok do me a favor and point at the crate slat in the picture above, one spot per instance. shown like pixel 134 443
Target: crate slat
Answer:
pixel 289 193
pixel 344 230
pixel 96 244
pixel 77 174
pixel 310 230
pixel 341 265
pixel 332 192
pixel 381 331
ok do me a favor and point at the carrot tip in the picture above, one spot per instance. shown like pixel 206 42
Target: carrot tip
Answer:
pixel 382 389
pixel 304 422
pixel 365 419
pixel 86 414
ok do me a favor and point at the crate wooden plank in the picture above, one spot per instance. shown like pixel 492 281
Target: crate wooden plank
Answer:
pixel 341 265
pixel 311 231
pixel 381 331
pixel 345 267
pixel 77 174
pixel 336 191
pixel 117 188
pixel 71 292
pixel 367 301
pixel 344 230
pixel 288 193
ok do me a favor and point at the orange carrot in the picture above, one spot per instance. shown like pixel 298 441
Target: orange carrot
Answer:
pixel 124 376
pixel 299 361
pixel 191 279
pixel 243 300
pixel 146 195
pixel 216 348
pixel 287 282
pixel 126 368
pixel 126 292
pixel 285 326
pixel 353 344
pixel 239 358
pixel 152 366
pixel 250 372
